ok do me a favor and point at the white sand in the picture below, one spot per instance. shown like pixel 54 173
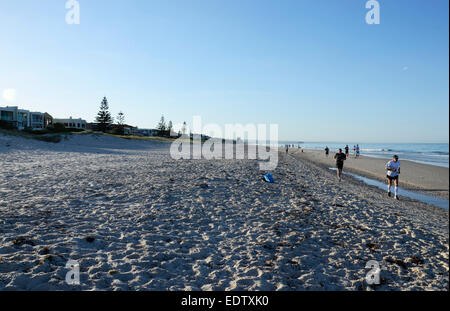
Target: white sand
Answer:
pixel 161 224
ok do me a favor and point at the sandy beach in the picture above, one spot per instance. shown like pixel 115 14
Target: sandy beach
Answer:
pixel 135 219
pixel 428 179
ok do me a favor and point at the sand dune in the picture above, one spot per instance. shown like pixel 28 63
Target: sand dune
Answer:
pixel 137 220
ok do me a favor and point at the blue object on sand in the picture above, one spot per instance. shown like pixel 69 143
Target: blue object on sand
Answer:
pixel 269 178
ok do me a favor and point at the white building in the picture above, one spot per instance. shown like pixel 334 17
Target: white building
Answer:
pixel 72 123
pixel 21 119
pixel 36 120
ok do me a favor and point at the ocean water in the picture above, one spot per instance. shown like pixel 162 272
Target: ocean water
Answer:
pixel 434 154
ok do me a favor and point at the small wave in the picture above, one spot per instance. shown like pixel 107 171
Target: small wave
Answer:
pixel 439 153
pixel 378 150
pixel 426 153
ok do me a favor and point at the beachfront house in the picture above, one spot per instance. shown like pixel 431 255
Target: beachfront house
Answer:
pixel 93 126
pixel 23 119
pixel 125 129
pixel 8 115
pixel 148 132
pixel 48 120
pixel 72 123
pixel 130 130
pixel 37 120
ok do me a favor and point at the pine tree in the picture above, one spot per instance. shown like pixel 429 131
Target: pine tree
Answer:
pixel 170 128
pixel 161 127
pixel 104 116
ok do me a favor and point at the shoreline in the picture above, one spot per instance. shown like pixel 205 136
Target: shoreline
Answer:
pixel 434 154
pixel 423 178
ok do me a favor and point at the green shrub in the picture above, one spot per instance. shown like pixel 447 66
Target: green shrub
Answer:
pixel 58 127
pixel 6 125
pixel 49 138
pixel 118 131
pixel 36 132
pixel 61 128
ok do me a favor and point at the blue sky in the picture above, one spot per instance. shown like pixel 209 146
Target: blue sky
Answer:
pixel 314 67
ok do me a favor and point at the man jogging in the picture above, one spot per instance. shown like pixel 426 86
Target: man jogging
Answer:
pixel 393 171
pixel 340 158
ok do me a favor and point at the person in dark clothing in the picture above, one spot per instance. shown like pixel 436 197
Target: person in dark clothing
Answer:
pixel 347 151
pixel 340 158
pixel 327 151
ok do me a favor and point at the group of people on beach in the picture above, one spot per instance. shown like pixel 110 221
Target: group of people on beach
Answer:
pixel 356 151
pixel 392 167
pixel 289 146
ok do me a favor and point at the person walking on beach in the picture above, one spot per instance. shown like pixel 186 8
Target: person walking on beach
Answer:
pixel 327 151
pixel 340 158
pixel 393 172
pixel 287 149
pixel 347 150
pixel 357 151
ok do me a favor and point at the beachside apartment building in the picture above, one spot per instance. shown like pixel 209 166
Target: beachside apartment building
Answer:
pixel 22 119
pixel 72 123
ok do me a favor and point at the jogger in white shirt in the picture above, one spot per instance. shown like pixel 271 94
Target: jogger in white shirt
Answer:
pixel 393 171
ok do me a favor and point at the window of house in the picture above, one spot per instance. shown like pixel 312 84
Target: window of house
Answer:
pixel 7 115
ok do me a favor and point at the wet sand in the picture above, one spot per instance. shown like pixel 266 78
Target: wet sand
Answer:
pixel 427 179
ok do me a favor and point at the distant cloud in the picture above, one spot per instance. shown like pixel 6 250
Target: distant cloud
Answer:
pixel 405 68
pixel 9 95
